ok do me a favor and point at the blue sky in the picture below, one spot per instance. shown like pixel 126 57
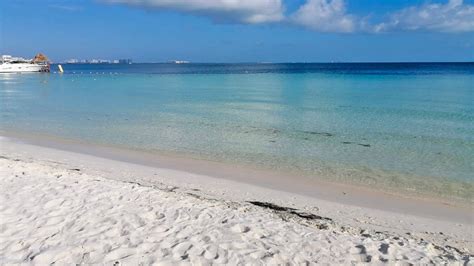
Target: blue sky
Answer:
pixel 240 31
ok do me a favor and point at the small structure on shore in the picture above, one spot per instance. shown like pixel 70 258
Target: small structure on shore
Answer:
pixel 40 58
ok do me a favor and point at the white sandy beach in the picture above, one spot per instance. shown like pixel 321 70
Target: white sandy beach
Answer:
pixel 63 207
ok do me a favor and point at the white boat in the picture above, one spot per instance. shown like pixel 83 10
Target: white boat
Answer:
pixel 9 64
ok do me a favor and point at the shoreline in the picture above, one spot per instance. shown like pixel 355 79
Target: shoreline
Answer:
pixel 344 194
pixel 374 181
pixel 305 185
pixel 42 180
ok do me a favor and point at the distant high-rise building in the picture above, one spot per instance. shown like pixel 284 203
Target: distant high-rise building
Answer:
pixel 125 61
pixel 72 61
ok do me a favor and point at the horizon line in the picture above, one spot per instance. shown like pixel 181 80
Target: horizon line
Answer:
pixel 282 62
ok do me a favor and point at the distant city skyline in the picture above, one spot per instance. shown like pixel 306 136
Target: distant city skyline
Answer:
pixel 241 31
pixel 97 61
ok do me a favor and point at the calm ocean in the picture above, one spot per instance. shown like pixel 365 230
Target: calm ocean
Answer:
pixel 403 127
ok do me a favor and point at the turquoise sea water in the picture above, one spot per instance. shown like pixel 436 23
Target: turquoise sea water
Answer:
pixel 399 127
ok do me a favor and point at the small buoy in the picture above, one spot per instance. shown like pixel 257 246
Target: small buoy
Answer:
pixel 60 69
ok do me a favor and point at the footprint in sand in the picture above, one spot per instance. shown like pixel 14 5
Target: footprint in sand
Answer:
pixel 239 228
pixel 211 252
pixel 180 251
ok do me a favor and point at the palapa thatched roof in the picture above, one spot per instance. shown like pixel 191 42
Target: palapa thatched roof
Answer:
pixel 40 58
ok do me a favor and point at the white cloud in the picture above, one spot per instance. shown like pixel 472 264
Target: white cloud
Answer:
pixel 325 16
pixel 244 11
pixel 454 16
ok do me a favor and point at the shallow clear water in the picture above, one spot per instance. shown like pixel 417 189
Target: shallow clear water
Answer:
pixel 404 127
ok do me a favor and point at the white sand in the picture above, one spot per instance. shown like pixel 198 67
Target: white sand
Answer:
pixel 50 212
